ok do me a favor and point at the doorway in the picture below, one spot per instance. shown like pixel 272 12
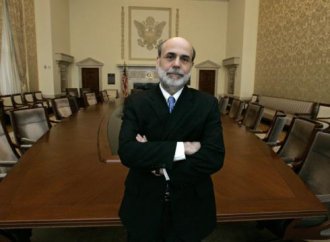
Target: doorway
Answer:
pixel 207 81
pixel 90 78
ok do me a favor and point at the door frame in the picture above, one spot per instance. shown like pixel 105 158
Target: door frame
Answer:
pixel 90 63
pixel 208 65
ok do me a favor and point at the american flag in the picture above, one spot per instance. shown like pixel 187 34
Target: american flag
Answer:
pixel 124 79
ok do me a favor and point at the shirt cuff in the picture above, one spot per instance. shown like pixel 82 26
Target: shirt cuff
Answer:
pixel 179 152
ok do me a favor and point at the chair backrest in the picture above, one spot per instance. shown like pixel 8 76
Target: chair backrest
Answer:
pixel 276 127
pixel 105 96
pixel 90 98
pixel 7 150
pixel 114 125
pixel 112 93
pixel 61 107
pixel 40 100
pixel 7 102
pixel 84 90
pixel 30 123
pixel 18 100
pixel 29 97
pixel 253 115
pixel 74 103
pixel 72 92
pixel 223 103
pixel 298 139
pixel 236 109
pixel 316 168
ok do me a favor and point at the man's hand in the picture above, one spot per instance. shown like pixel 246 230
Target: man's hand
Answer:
pixel 141 139
pixel 191 148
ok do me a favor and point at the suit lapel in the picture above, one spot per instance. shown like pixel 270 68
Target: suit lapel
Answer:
pixel 170 124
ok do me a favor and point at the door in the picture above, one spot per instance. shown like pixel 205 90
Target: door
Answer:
pixel 90 78
pixel 207 81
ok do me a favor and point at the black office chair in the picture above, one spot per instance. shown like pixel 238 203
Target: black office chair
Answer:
pixel 42 101
pixel 252 116
pixel 297 142
pixel 72 92
pixel 272 134
pixel 105 97
pixel 112 93
pixel 8 154
pixel 315 174
pixel 114 125
pixel 90 98
pixel 236 109
pixel 61 108
pixel 223 104
pixel 29 124
pixel 19 101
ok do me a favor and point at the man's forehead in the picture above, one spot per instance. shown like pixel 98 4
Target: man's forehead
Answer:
pixel 177 50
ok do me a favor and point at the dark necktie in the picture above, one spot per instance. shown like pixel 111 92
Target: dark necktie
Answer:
pixel 171 103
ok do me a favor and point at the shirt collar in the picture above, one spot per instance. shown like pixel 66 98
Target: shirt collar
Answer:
pixel 167 95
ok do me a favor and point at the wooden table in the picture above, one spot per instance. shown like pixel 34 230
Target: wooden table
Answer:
pixel 63 181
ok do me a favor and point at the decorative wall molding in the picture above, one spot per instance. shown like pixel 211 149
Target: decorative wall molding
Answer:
pixel 89 62
pixel 231 61
pixel 231 65
pixel 207 65
pixel 63 61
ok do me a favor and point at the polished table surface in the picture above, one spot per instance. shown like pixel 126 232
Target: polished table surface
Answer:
pixel 70 178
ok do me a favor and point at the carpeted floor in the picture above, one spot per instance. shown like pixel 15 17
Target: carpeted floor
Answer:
pixel 229 232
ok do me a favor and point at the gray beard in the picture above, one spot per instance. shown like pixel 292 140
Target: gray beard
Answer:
pixel 169 84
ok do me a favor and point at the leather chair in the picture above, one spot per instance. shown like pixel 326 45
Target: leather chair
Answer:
pixel 39 98
pixel 271 135
pixel 315 174
pixel 298 140
pixel 29 98
pixel 252 116
pixel 105 97
pixel 236 109
pixel 8 153
pixel 90 99
pixel 112 93
pixel 114 125
pixel 72 92
pixel 29 124
pixel 19 101
pixel 61 108
pixel 84 90
pixel 223 104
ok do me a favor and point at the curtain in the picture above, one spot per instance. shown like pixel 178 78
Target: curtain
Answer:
pixel 0 24
pixel 16 20
pixel 9 74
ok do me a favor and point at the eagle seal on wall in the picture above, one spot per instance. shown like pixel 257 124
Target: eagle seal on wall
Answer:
pixel 149 32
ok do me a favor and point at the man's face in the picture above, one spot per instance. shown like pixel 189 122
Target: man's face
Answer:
pixel 174 64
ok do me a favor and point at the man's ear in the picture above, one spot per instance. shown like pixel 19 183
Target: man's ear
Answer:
pixel 157 61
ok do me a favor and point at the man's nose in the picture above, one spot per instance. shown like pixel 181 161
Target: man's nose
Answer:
pixel 177 61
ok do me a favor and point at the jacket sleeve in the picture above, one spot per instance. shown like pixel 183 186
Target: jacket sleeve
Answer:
pixel 144 156
pixel 209 158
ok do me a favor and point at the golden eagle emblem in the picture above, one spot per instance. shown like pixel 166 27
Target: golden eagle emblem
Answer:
pixel 149 32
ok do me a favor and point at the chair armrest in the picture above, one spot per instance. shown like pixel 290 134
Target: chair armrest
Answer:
pixel 8 162
pixel 324 198
pixel 259 131
pixel 306 115
pixel 27 140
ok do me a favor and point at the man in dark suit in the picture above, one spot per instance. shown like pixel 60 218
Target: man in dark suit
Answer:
pixel 172 148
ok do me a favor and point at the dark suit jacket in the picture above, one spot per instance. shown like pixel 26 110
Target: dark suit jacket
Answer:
pixel 195 118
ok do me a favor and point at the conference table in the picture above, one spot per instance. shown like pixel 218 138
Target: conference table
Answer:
pixel 70 178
